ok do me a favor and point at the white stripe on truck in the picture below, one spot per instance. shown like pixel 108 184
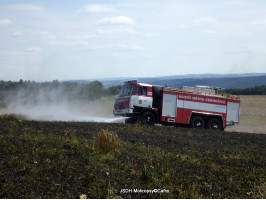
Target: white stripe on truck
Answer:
pixel 201 106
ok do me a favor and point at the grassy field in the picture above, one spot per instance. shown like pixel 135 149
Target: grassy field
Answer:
pixel 99 160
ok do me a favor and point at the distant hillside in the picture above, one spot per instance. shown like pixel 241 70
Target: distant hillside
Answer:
pixel 236 81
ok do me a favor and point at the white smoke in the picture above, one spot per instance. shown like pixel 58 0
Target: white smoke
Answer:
pixel 54 105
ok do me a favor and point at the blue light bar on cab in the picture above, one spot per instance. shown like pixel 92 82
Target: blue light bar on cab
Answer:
pixel 131 81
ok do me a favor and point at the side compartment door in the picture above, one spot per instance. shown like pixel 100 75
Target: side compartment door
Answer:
pixel 233 111
pixel 169 105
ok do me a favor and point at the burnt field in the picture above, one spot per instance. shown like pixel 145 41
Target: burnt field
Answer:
pixel 99 160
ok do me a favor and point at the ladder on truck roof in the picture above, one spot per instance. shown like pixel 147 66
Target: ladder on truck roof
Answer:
pixel 201 90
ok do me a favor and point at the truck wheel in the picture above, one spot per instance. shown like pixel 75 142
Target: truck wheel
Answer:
pixel 197 122
pixel 148 118
pixel 215 124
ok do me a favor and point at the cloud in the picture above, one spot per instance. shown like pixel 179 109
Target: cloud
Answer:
pixel 47 35
pixel 34 49
pixel 68 43
pixel 25 7
pixel 209 31
pixel 79 37
pixel 97 8
pixel 204 20
pixel 117 20
pixel 5 21
pixel 65 40
pixel 18 33
pixel 108 31
pixel 258 22
pixel 121 47
pixel 129 47
pixel 244 33
pixel 75 57
pixel 182 26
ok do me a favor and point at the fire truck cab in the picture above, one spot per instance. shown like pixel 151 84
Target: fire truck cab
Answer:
pixel 133 99
pixel 199 107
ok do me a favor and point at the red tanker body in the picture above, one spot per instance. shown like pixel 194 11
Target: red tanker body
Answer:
pixel 198 106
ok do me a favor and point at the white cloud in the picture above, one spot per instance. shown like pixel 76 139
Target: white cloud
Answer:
pixel 79 37
pixel 204 20
pixel 5 21
pixel 68 43
pixel 258 22
pixel 70 40
pixel 245 33
pixel 108 31
pixel 75 57
pixel 209 31
pixel 115 54
pixel 120 47
pixel 34 49
pixel 182 26
pixel 97 8
pixel 18 33
pixel 47 35
pixel 117 20
pixel 25 7
pixel 129 47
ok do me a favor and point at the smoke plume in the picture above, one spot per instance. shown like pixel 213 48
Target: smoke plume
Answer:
pixel 56 104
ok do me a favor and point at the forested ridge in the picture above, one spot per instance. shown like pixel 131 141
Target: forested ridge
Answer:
pixel 32 91
pixel 258 90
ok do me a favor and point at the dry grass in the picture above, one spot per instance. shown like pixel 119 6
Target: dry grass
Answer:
pixel 8 117
pixel 253 105
pixel 262 191
pixel 12 116
pixel 107 141
pixel 259 191
pixel 83 196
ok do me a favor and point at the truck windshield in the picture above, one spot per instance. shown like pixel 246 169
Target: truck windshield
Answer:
pixel 127 90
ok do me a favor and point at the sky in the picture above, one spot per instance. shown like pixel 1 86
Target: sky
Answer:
pixel 71 40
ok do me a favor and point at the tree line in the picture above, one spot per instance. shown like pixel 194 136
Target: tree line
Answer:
pixel 258 90
pixel 53 91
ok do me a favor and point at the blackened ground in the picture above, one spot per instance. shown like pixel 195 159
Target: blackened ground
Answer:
pixel 60 160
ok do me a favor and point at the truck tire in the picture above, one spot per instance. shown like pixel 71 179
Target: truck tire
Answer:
pixel 197 122
pixel 215 124
pixel 148 118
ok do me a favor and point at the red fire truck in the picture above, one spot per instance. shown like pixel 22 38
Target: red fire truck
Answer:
pixel 198 107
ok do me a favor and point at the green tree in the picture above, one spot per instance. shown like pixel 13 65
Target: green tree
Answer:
pixel 92 91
